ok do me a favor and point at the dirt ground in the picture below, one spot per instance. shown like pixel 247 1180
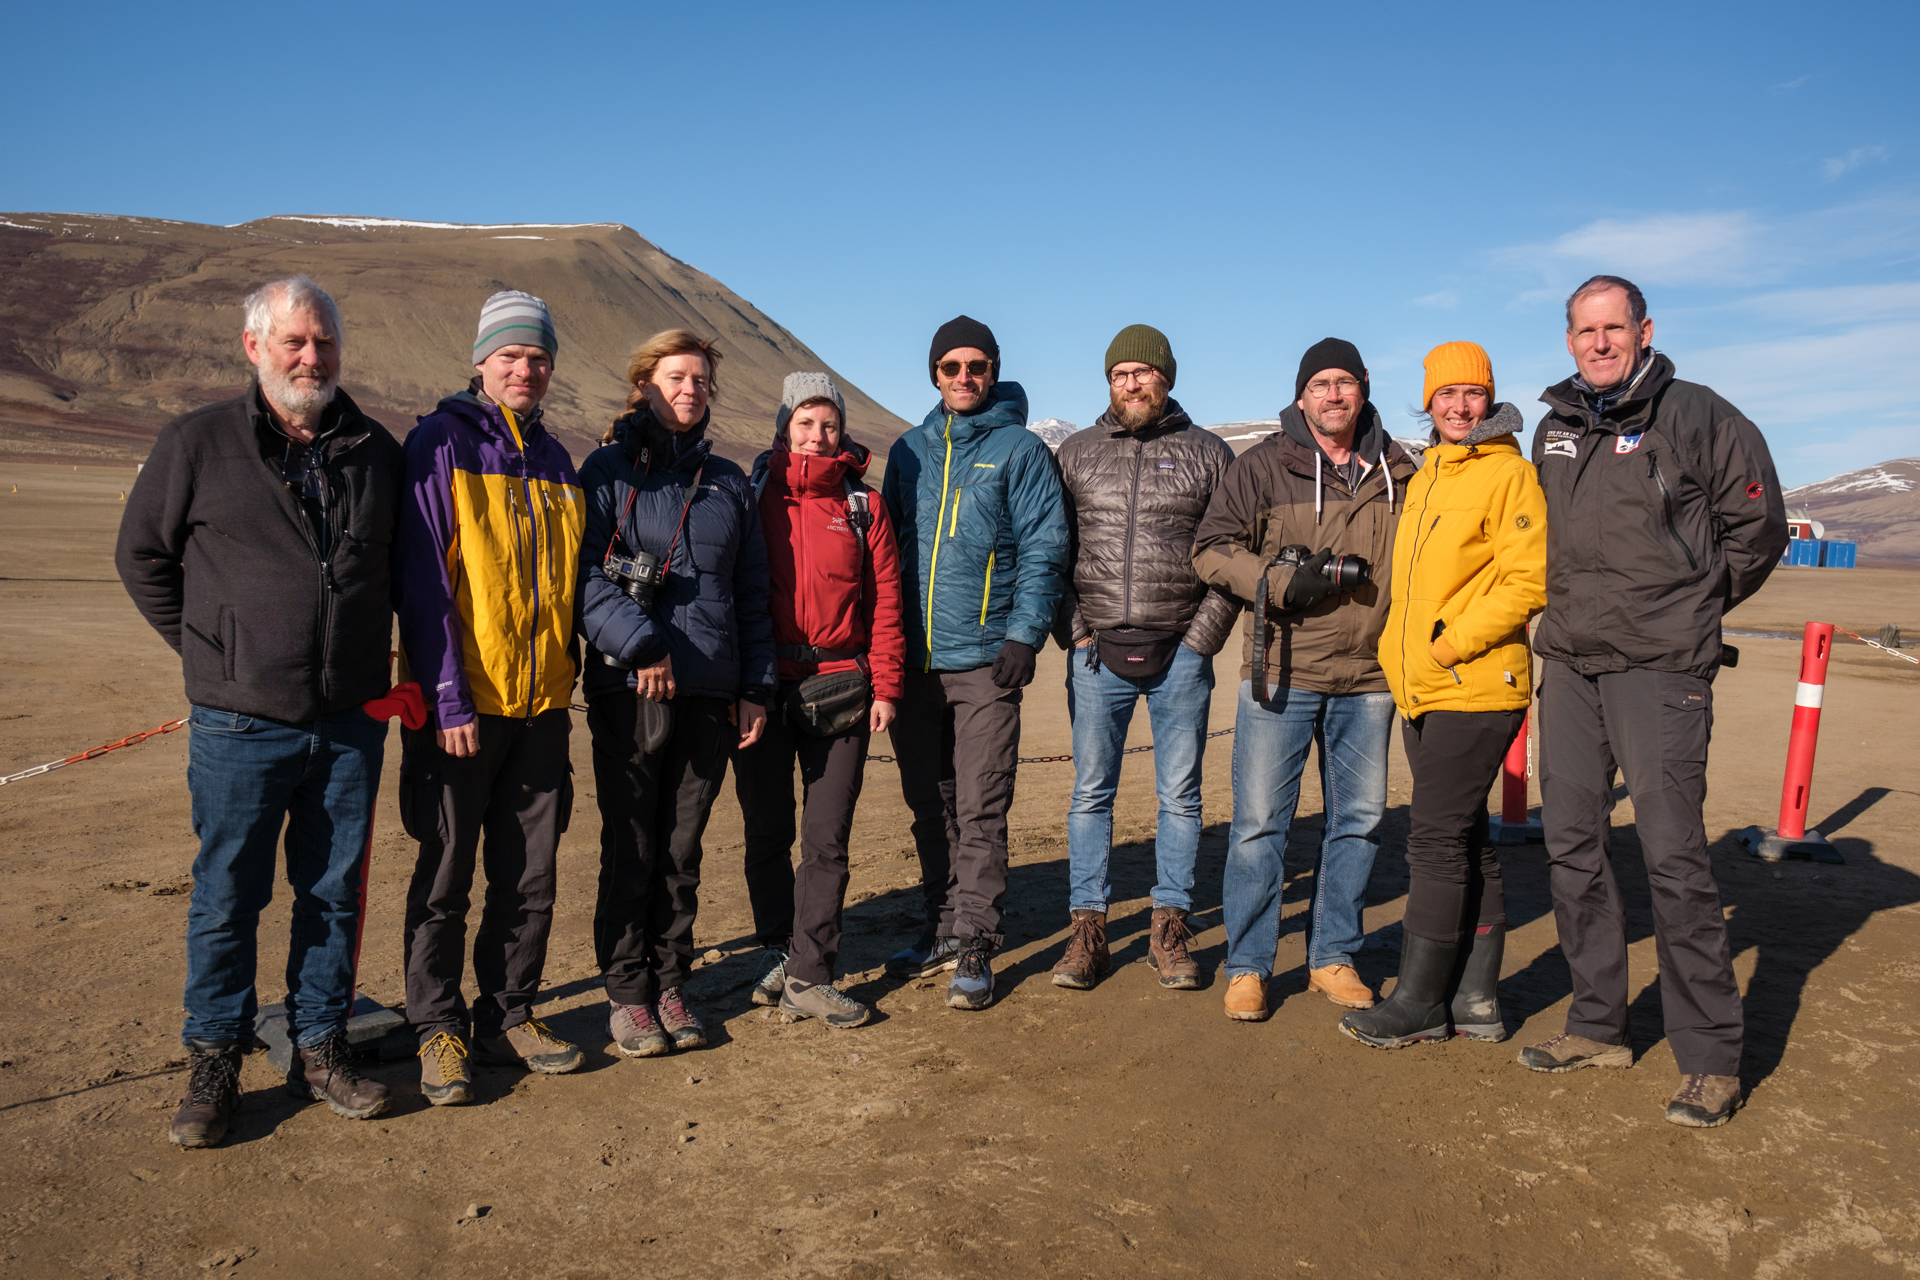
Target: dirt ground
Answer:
pixel 1123 1131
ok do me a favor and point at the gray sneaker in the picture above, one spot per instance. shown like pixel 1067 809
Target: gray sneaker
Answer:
pixel 636 1032
pixel 766 992
pixel 925 958
pixel 824 1001
pixel 972 985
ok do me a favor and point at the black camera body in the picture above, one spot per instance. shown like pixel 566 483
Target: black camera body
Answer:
pixel 638 575
pixel 1348 573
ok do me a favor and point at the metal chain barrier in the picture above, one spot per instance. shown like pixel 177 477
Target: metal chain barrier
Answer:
pixel 1875 644
pixel 91 752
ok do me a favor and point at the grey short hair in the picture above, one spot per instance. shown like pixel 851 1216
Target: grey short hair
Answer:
pixel 294 293
pixel 1636 301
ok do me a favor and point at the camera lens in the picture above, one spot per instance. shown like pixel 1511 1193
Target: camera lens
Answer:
pixel 1349 573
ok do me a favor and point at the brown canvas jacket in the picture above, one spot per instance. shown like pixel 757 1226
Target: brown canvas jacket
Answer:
pixel 1265 502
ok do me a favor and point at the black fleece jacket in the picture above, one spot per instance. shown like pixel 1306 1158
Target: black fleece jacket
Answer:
pixel 221 557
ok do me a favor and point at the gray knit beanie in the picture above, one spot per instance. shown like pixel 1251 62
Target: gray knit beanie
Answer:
pixel 511 318
pixel 800 388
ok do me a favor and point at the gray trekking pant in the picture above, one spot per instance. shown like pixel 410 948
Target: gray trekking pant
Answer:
pixel 956 735
pixel 517 790
pixel 1655 726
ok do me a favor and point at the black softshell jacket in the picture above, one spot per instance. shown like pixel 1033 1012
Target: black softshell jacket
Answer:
pixel 222 559
pixel 1661 515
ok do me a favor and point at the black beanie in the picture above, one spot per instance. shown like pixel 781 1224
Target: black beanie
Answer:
pixel 963 331
pixel 1331 353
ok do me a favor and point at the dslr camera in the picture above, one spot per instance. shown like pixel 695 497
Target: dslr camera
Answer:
pixel 638 575
pixel 1348 573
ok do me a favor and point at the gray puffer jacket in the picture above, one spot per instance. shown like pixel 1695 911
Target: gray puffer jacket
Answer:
pixel 1134 500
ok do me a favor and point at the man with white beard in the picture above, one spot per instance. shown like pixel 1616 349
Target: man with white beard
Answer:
pixel 257 542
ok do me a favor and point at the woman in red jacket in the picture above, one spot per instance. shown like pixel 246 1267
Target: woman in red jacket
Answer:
pixel 835 592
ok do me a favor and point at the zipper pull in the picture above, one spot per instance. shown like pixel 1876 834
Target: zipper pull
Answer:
pixel 1455 673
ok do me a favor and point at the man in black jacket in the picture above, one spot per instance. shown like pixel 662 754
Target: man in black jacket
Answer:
pixel 1663 512
pixel 256 543
pixel 1141 625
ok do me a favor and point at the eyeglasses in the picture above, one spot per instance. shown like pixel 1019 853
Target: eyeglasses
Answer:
pixel 1121 378
pixel 977 368
pixel 1321 388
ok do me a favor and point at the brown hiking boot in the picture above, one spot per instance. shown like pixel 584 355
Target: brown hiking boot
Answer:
pixel 325 1073
pixel 1340 984
pixel 213 1094
pixel 1704 1102
pixel 1247 998
pixel 536 1048
pixel 1087 959
pixel 1567 1052
pixel 445 1080
pixel 1167 950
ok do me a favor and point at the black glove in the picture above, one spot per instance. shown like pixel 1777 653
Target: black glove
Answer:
pixel 1013 669
pixel 1309 585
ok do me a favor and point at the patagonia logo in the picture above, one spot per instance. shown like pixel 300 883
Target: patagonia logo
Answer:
pixel 987 465
pixel 1626 444
pixel 1560 449
pixel 1165 466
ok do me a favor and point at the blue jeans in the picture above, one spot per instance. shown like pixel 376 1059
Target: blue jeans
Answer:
pixel 1100 705
pixel 248 776
pixel 1269 752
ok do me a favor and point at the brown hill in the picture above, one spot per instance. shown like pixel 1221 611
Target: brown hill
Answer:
pixel 1878 507
pixel 109 326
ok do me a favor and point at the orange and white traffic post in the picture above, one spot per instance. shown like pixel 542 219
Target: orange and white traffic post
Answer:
pixel 1791 838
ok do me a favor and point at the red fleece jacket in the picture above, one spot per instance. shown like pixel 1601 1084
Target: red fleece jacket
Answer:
pixel 821 596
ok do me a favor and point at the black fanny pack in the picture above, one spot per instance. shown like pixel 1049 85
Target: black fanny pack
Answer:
pixel 827 705
pixel 1136 653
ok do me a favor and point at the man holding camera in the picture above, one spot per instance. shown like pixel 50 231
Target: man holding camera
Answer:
pixel 489 538
pixel 1296 529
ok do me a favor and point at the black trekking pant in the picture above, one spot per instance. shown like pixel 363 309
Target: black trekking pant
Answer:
pixel 799 911
pixel 517 792
pixel 1655 726
pixel 957 737
pixel 653 812
pixel 1453 868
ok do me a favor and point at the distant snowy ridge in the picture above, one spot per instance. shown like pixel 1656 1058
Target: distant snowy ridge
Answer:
pixel 1053 430
pixel 1244 435
pixel 1902 475
pixel 367 224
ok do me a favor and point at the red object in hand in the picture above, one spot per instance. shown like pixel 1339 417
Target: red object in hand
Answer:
pixel 402 700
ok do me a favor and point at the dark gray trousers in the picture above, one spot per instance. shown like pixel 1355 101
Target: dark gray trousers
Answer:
pixel 1655 726
pixel 957 739
pixel 517 791
pixel 803 906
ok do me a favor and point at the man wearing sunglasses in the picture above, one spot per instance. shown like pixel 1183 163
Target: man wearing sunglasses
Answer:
pixel 256 542
pixel 1285 532
pixel 983 553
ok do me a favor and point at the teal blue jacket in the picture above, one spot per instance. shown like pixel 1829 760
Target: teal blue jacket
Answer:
pixel 983 533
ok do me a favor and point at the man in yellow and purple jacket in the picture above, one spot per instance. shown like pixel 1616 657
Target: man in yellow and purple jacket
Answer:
pixel 489 537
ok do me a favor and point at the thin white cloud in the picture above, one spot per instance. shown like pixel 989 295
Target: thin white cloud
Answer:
pixel 1834 166
pixel 1445 300
pixel 1837 305
pixel 1856 376
pixel 1661 249
pixel 1792 84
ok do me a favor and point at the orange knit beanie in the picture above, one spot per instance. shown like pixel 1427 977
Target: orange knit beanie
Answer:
pixel 1456 362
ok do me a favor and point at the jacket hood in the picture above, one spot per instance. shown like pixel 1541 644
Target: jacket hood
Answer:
pixel 1006 406
pixel 801 473
pixel 1505 420
pixel 638 429
pixel 1371 442
pixel 1174 418
pixel 1571 395
pixel 485 416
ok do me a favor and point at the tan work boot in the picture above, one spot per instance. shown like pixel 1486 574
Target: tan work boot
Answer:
pixel 444 1078
pixel 1167 950
pixel 534 1047
pixel 1087 959
pixel 1340 984
pixel 1568 1052
pixel 1704 1102
pixel 326 1073
pixel 1247 998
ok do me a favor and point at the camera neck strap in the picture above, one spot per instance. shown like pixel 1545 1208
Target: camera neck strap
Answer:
pixel 645 459
pixel 1257 666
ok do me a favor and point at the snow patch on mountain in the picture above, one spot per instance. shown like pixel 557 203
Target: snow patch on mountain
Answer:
pixel 1053 430
pixel 1902 475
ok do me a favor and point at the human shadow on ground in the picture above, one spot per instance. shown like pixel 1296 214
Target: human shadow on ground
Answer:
pixel 1792 915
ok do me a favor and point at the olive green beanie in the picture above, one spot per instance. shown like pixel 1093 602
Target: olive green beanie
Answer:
pixel 1146 344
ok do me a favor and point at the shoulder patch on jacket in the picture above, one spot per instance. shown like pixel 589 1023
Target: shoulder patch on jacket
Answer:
pixel 1560 448
pixel 1755 489
pixel 1523 521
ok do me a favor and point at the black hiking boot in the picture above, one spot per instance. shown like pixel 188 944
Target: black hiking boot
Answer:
pixel 1417 1009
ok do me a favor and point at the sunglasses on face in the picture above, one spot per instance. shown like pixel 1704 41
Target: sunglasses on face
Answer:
pixel 977 368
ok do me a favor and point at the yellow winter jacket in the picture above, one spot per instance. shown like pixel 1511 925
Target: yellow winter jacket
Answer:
pixel 1471 556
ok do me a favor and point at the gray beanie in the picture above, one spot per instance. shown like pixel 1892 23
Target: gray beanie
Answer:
pixel 512 318
pixel 800 388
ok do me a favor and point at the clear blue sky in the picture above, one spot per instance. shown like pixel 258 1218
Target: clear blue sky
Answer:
pixel 1248 178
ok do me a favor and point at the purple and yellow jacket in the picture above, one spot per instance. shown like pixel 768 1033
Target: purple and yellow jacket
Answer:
pixel 485 563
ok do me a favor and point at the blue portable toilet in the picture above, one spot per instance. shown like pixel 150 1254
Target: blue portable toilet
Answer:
pixel 1804 551
pixel 1837 555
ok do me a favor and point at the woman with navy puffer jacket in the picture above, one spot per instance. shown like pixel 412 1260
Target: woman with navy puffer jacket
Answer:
pixel 835 576
pixel 678 672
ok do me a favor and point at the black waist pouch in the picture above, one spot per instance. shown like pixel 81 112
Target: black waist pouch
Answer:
pixel 827 705
pixel 1137 653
